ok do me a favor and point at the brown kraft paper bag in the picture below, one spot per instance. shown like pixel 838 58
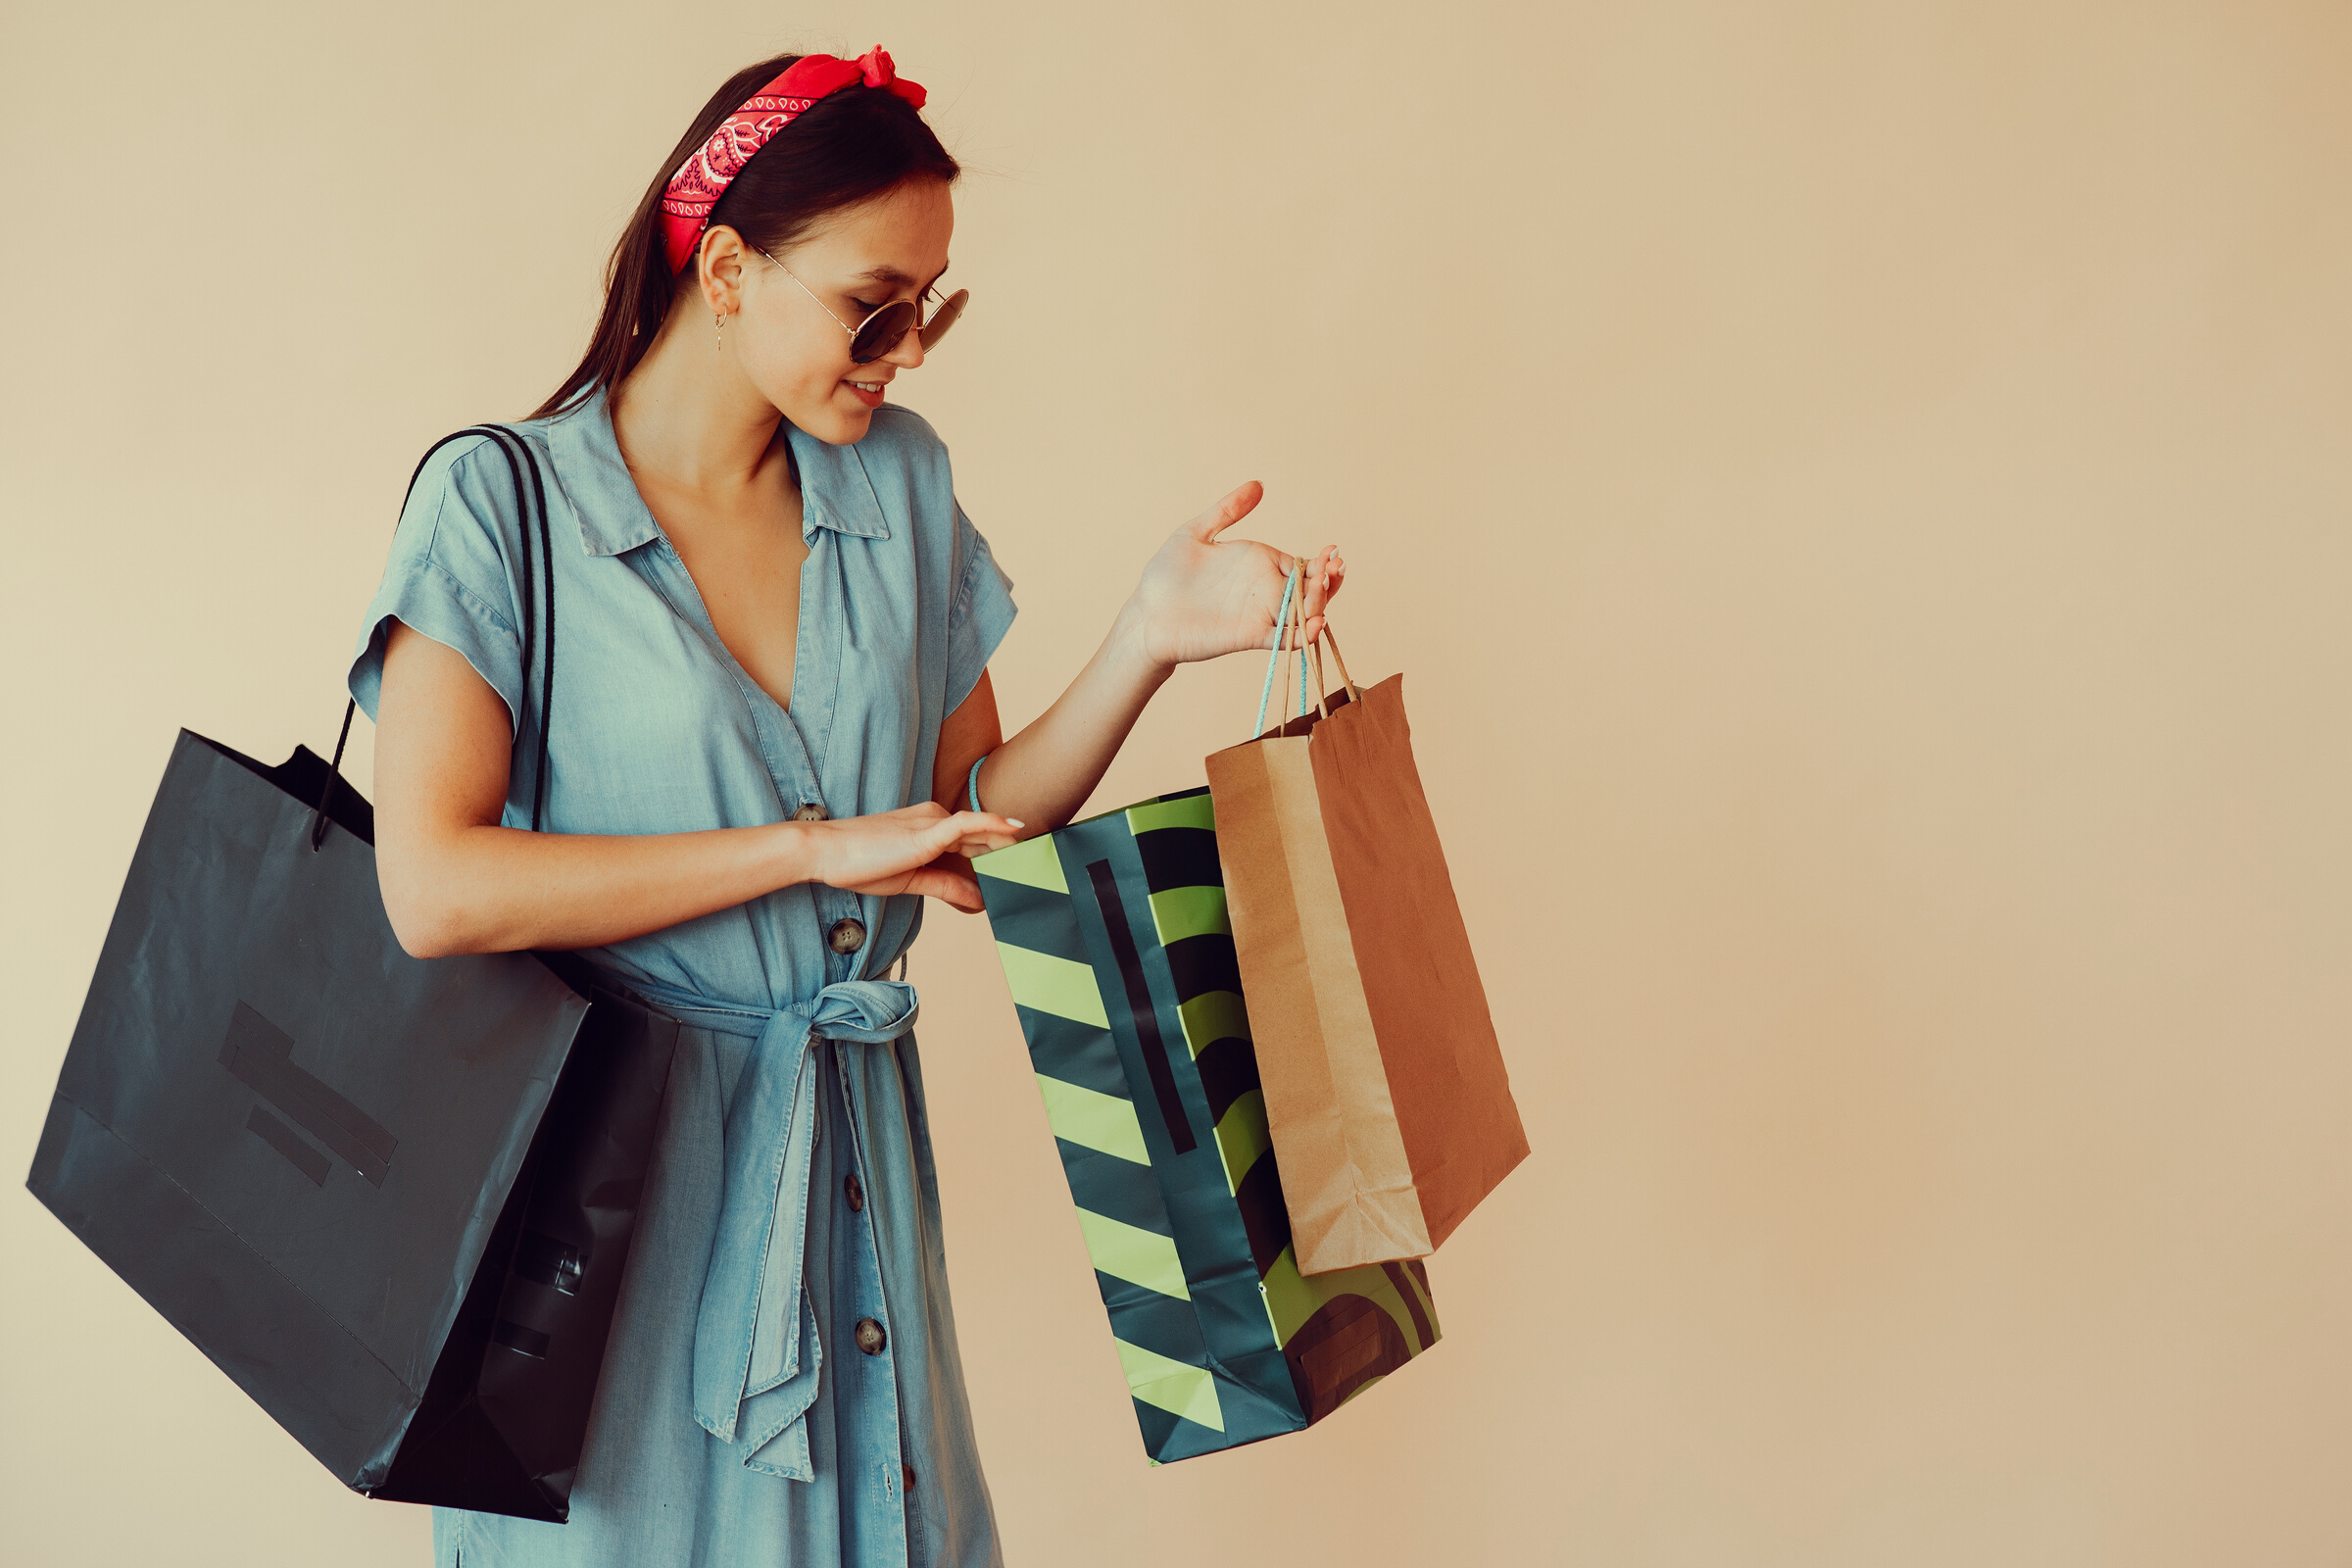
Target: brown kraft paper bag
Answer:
pixel 1385 1087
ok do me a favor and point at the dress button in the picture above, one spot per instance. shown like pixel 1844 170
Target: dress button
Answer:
pixel 854 1191
pixel 909 1469
pixel 869 1336
pixel 846 937
pixel 811 812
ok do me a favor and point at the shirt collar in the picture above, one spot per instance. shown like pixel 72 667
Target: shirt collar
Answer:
pixel 835 492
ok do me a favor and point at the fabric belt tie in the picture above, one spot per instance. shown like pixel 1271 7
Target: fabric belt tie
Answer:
pixel 756 1350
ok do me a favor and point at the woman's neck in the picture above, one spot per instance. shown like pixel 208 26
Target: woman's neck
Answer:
pixel 688 416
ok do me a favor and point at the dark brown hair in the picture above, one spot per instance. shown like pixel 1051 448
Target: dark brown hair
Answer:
pixel 844 149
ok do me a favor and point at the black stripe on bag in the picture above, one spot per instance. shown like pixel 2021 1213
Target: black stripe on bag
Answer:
pixel 1412 1303
pixel 1264 1215
pixel 522 1337
pixel 1179 857
pixel 1139 1005
pixel 1203 963
pixel 259 1054
pixel 283 1138
pixel 1228 1069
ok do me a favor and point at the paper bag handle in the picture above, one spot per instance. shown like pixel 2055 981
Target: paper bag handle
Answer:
pixel 1327 635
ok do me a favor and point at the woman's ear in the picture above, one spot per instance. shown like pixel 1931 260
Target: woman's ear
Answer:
pixel 718 269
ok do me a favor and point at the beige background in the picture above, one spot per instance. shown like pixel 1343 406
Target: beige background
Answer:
pixel 1860 489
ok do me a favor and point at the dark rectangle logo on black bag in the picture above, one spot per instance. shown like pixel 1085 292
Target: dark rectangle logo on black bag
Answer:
pixel 261 1055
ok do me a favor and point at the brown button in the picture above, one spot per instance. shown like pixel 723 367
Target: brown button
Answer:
pixel 869 1336
pixel 811 812
pixel 855 1193
pixel 909 1469
pixel 846 937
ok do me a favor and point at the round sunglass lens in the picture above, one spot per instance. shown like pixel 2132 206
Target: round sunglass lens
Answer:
pixel 945 317
pixel 880 332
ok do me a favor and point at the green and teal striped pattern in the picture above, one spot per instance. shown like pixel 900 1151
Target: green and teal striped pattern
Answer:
pixel 1116 949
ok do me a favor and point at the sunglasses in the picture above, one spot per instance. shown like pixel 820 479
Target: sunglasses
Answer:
pixel 882 331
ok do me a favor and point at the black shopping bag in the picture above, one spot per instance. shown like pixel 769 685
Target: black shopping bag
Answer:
pixel 391 1198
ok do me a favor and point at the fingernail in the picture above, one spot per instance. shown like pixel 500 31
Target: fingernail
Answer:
pixel 1016 821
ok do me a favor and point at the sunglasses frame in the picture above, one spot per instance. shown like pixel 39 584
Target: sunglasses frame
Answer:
pixel 930 328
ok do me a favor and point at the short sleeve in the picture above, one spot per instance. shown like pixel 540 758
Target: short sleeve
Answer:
pixel 448 577
pixel 981 615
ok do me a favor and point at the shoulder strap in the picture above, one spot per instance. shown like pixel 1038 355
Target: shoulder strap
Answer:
pixel 530 502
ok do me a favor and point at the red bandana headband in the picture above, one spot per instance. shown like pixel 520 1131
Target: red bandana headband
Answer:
pixel 705 175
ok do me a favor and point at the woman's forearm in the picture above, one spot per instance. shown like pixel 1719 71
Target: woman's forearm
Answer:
pixel 1044 774
pixel 500 889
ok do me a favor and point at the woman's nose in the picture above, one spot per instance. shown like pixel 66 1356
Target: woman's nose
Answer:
pixel 908 353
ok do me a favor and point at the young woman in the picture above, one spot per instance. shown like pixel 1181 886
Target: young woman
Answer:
pixel 771 735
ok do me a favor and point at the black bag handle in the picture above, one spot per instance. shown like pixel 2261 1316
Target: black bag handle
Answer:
pixel 509 443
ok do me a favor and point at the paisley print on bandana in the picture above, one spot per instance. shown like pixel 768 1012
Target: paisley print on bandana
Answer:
pixel 705 173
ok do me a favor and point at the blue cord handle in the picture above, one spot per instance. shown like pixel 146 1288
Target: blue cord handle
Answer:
pixel 1282 626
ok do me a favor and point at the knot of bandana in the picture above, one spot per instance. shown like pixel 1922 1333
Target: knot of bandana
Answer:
pixel 710 169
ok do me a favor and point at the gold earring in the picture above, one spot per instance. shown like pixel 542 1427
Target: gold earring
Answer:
pixel 719 328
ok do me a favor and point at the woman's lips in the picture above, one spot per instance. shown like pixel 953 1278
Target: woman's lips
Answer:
pixel 869 393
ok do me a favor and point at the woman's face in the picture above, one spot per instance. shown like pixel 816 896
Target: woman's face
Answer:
pixel 893 247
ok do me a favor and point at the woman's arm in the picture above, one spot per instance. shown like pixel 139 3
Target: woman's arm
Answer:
pixel 970 733
pixel 455 881
pixel 1199 598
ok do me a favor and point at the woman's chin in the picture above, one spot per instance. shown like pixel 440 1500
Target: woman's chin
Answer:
pixel 833 425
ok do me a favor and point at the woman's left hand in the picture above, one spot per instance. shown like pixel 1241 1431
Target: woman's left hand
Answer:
pixel 1203 597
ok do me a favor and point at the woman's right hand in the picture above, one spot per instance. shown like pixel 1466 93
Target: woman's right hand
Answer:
pixel 916 848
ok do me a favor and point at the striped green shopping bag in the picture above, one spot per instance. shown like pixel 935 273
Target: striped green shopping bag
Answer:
pixel 1114 941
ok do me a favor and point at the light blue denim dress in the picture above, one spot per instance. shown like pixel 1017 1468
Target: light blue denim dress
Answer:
pixel 782 1385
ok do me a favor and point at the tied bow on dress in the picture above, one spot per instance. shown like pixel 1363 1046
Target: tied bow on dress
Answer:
pixel 756 1349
